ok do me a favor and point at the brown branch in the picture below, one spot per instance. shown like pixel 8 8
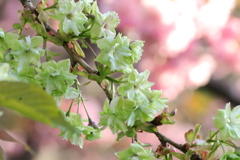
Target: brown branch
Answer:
pixel 107 92
pixel 76 58
pixel 27 4
pixel 164 140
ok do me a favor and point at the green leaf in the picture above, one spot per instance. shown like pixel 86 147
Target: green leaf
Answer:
pixel 95 77
pixel 144 144
pixel 120 135
pixel 31 101
pixel 78 49
pixel 214 148
pixel 189 136
pixel 94 135
pixel 137 148
pixel 125 155
pixel 197 129
pixel 82 73
pixel 17 26
pixel 56 40
pixel 50 54
pixel 189 154
pixel 150 128
pixel 131 132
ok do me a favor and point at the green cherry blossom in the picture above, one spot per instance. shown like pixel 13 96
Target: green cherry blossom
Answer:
pixel 70 16
pixel 228 122
pixel 115 53
pixel 116 113
pixel 135 152
pixel 137 87
pixel 26 52
pixel 55 77
pixel 104 24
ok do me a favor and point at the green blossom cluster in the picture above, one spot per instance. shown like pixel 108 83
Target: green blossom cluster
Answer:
pixel 27 52
pixel 76 137
pixel 147 102
pixel 55 77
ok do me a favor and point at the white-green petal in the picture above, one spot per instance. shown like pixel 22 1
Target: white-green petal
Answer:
pixel 28 41
pixel 66 25
pixel 233 133
pixel 228 109
pixel 65 6
pixel 2 34
pixel 237 130
pixel 36 41
pixel 236 112
pixel 224 133
pixel 219 122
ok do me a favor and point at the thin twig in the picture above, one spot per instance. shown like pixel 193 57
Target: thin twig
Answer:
pixel 107 92
pixel 85 107
pixel 89 46
pixel 69 109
